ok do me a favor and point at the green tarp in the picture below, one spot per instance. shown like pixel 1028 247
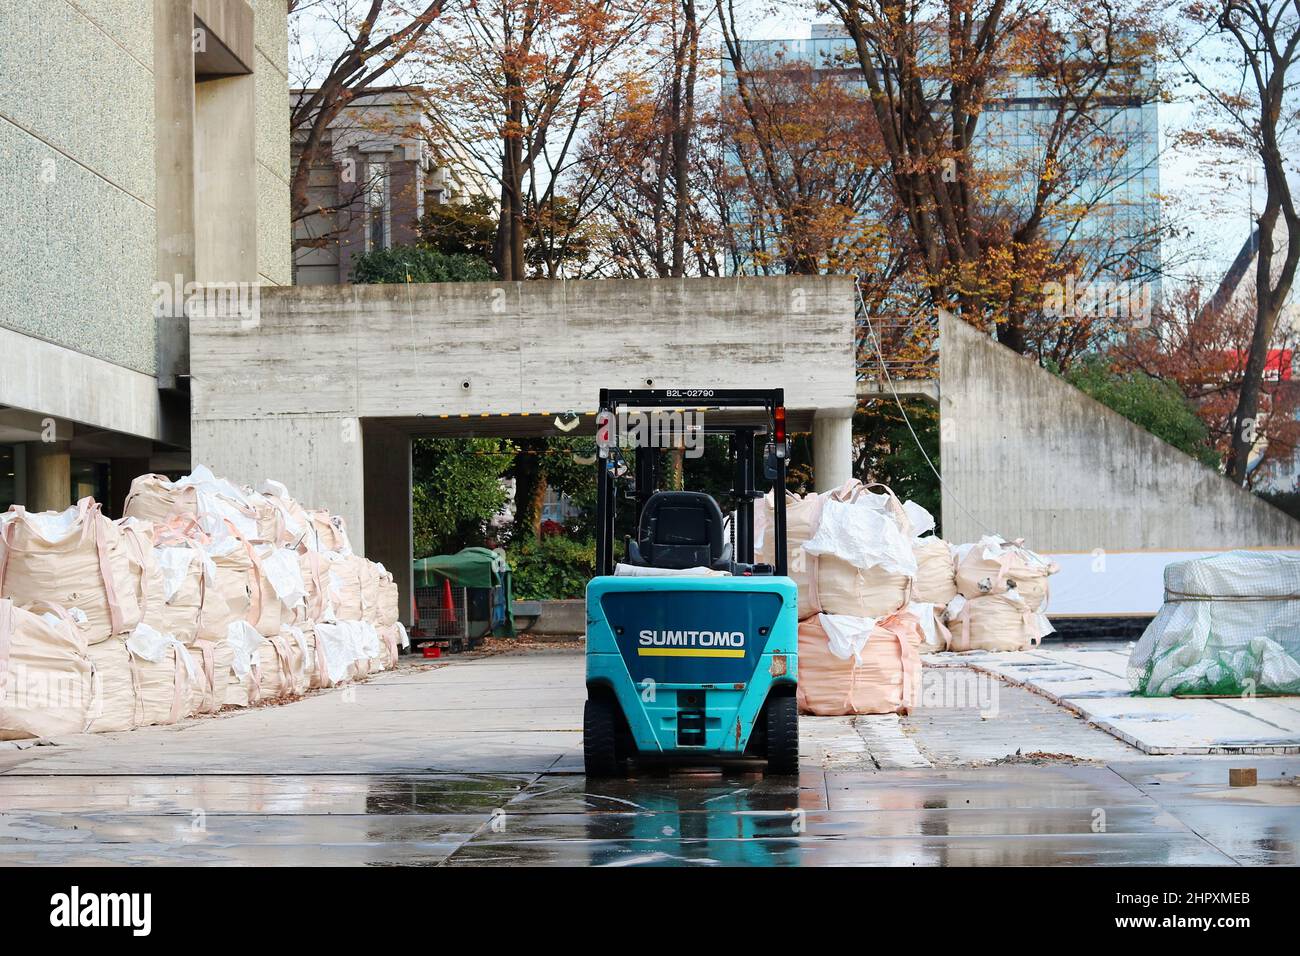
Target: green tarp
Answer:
pixel 470 568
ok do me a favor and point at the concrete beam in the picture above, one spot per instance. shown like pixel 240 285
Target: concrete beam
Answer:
pixel 62 383
pixel 925 388
pixel 479 348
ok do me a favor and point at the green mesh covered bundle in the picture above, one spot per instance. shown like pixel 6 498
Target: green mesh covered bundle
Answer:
pixel 1230 625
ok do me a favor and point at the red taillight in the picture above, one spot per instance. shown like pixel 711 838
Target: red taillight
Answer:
pixel 779 416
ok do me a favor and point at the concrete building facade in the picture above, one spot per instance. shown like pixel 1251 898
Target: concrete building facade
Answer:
pixel 145 155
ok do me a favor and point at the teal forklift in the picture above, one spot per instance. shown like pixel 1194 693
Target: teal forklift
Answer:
pixel 692 647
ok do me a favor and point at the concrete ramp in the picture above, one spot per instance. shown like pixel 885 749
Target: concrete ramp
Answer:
pixel 1026 454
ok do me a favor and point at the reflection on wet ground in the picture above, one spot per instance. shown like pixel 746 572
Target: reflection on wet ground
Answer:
pixel 1159 811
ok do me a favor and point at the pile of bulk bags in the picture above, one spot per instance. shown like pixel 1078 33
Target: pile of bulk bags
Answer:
pixel 1229 625
pixel 850 553
pixel 1002 593
pixel 205 595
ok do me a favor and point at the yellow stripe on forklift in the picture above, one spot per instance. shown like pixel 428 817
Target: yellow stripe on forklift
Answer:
pixel 687 652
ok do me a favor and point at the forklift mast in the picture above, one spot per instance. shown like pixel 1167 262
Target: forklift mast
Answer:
pixel 609 460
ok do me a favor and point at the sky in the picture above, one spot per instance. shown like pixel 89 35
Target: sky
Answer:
pixel 1215 215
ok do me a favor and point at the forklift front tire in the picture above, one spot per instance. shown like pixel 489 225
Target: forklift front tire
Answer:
pixel 782 734
pixel 600 738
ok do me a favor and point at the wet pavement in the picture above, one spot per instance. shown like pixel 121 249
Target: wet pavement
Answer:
pixel 478 763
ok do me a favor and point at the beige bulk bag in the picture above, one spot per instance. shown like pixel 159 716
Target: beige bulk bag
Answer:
pixel 154 498
pixel 369 573
pixel 150 593
pixel 308 676
pixel 279 668
pixel 328 532
pixel 845 589
pixel 319 600
pixel 240 691
pixel 801 516
pixel 113 705
pixel 936 579
pixel 390 645
pixel 269 519
pixel 994 566
pixel 74 559
pixel 46 687
pixel 214 662
pixel 994 622
pixel 184 590
pixel 164 678
pixel 246 683
pixel 243 587
pixel 884 678
pixel 389 602
pixel 346 577
pixel 295 524
pixel 865 563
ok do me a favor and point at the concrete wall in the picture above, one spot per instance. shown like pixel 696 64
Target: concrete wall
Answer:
pixel 1028 455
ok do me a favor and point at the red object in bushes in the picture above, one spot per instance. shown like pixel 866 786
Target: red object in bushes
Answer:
pixel 550 527
pixel 447 611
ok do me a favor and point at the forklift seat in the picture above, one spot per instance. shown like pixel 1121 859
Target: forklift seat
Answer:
pixel 679 530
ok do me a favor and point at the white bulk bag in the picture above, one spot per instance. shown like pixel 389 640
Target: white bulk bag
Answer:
pixel 74 559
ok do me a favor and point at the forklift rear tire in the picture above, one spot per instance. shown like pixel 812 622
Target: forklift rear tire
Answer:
pixel 600 738
pixel 782 720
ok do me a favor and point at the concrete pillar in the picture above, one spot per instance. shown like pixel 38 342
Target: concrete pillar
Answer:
pixel 832 452
pixel 49 475
pixel 173 71
pixel 122 471
pixel 386 453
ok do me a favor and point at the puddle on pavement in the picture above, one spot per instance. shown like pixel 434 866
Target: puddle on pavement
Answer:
pixel 1006 815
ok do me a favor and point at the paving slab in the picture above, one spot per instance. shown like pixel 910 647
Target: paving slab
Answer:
pixel 1093 682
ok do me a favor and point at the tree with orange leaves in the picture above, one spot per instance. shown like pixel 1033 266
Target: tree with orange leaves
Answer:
pixel 516 82
pixel 1202 346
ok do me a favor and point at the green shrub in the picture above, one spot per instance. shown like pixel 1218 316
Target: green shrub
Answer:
pixel 1157 405
pixel 418 264
pixel 554 568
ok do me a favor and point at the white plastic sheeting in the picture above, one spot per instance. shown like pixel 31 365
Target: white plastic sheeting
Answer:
pixel 864 536
pixel 1230 624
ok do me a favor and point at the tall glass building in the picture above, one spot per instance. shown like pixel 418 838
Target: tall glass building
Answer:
pixel 1110 212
